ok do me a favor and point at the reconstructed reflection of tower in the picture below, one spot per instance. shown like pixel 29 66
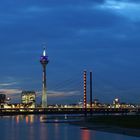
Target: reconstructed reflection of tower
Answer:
pixel 44 61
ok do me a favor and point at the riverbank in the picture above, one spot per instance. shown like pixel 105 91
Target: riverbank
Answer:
pixel 126 125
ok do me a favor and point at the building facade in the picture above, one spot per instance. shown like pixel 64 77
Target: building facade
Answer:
pixel 28 98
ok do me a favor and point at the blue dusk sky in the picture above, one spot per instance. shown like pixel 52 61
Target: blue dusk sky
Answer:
pixel 102 36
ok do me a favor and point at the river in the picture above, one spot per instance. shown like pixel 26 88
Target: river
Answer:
pixel 30 127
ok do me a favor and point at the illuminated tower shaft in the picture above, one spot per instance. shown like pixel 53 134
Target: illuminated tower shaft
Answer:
pixel 44 61
pixel 85 89
pixel 90 89
pixel 44 88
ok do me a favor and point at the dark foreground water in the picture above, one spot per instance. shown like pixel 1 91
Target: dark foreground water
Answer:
pixel 31 128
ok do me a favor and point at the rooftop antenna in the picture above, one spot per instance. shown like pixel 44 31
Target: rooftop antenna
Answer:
pixel 44 50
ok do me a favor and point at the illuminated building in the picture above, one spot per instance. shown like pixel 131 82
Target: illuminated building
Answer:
pixel 116 103
pixel 96 103
pixel 44 61
pixel 28 97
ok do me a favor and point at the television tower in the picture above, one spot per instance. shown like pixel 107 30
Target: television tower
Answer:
pixel 44 61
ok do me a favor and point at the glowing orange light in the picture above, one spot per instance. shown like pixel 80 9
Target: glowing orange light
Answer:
pixel 27 120
pixel 85 135
pixel 17 119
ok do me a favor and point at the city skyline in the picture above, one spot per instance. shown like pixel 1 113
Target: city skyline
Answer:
pixel 100 36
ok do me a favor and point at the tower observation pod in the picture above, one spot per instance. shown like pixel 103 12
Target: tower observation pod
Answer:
pixel 44 61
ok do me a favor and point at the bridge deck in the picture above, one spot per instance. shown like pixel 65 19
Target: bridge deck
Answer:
pixel 15 111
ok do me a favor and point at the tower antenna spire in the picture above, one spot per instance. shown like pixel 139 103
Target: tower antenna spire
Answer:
pixel 44 49
pixel 44 52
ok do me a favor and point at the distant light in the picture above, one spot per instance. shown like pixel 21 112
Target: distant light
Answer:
pixel 8 98
pixel 117 100
pixel 44 52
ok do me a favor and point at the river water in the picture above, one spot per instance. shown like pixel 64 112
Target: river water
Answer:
pixel 30 127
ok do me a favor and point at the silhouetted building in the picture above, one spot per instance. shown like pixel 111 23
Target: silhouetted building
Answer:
pixel 2 98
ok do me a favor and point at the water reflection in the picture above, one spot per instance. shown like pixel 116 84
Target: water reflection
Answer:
pixel 85 134
pixel 42 118
pixel 66 132
pixel 17 119
pixel 43 132
pixel 29 127
pixel 56 131
pixel 31 133
pixel 29 119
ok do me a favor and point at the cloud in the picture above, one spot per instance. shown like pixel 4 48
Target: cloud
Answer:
pixel 129 9
pixel 38 22
pixel 8 84
pixel 60 97
pixel 36 9
pixel 10 91
pixel 14 94
pixel 61 94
